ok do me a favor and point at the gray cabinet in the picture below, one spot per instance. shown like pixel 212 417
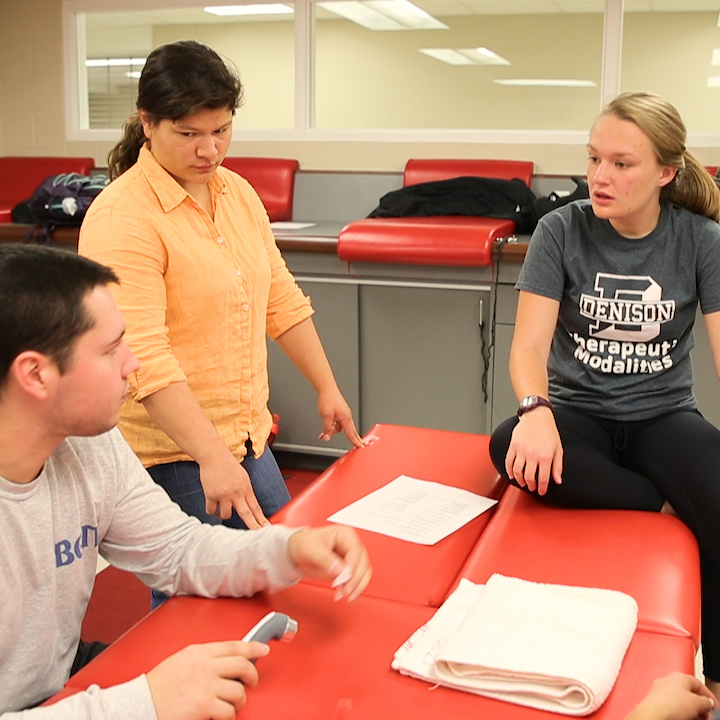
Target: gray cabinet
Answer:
pixel 405 344
pixel 503 402
pixel 421 358
pixel 291 395
pixel 707 385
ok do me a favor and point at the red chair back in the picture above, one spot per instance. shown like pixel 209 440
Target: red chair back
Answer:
pixel 273 180
pixel 420 171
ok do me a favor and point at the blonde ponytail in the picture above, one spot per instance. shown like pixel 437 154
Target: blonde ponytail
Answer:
pixel 694 189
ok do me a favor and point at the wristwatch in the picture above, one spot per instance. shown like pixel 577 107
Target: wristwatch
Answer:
pixel 531 402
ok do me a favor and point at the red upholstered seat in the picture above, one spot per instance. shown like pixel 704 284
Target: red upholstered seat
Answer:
pixel 401 570
pixel 20 176
pixel 273 180
pixel 338 665
pixel 652 557
pixel 438 240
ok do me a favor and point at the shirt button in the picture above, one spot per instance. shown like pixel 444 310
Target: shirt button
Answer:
pixel 245 307
pixel 238 273
pixel 221 240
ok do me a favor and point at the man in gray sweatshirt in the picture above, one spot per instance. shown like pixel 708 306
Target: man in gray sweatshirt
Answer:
pixel 71 490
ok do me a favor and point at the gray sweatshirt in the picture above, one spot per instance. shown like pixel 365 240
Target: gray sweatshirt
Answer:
pixel 94 498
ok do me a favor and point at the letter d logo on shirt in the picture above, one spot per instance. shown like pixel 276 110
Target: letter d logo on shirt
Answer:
pixel 627 308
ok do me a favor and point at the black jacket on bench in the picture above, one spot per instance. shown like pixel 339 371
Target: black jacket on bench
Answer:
pixel 478 196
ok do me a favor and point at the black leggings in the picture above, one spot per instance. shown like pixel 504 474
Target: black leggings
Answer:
pixel 609 464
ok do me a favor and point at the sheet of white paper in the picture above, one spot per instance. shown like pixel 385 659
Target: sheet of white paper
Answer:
pixel 415 510
pixel 281 225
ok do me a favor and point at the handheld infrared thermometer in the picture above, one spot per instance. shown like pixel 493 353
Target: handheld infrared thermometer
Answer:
pixel 274 626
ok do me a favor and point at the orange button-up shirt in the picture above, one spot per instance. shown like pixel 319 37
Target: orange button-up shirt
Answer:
pixel 198 296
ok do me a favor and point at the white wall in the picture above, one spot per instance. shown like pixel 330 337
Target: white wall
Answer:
pixel 32 98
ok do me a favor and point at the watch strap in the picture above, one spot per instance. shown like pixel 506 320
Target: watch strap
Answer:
pixel 531 402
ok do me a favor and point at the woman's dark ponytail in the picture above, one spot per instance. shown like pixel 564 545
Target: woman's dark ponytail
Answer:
pixel 125 154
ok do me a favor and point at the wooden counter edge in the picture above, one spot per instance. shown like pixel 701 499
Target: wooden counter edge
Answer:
pixel 67 237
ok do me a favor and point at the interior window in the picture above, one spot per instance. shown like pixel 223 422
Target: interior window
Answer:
pixel 257 39
pixel 415 65
pixel 676 54
pixel 499 64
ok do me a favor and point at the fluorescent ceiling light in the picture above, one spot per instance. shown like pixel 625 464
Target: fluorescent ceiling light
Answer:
pixel 713 81
pixel 465 56
pixel 384 14
pixel 134 75
pixel 545 82
pixel 715 57
pixel 447 55
pixel 114 62
pixel 483 56
pixel 269 9
pixel 361 14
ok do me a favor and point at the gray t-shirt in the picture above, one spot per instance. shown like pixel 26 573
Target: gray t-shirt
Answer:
pixel 95 498
pixel 622 344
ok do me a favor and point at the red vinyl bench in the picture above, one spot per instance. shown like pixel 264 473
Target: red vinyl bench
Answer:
pixel 21 175
pixel 273 180
pixel 339 665
pixel 437 240
pixel 404 571
pixel 652 557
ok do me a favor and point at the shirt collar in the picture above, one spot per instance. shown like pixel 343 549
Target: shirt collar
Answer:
pixel 169 192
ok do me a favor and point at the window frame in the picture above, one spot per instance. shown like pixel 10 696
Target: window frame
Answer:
pixel 304 101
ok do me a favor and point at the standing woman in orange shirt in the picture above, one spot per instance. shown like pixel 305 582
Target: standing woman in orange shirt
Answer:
pixel 202 284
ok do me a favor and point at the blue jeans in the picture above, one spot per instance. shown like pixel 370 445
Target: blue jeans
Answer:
pixel 181 481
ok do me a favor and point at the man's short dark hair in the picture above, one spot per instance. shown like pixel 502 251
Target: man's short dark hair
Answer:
pixel 41 302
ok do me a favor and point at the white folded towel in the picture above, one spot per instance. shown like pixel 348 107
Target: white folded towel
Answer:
pixel 551 647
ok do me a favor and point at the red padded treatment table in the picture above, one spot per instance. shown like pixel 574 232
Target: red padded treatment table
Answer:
pixel 338 665
pixel 404 571
pixel 650 556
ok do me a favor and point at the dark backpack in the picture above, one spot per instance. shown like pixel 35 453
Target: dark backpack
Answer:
pixel 546 204
pixel 60 200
